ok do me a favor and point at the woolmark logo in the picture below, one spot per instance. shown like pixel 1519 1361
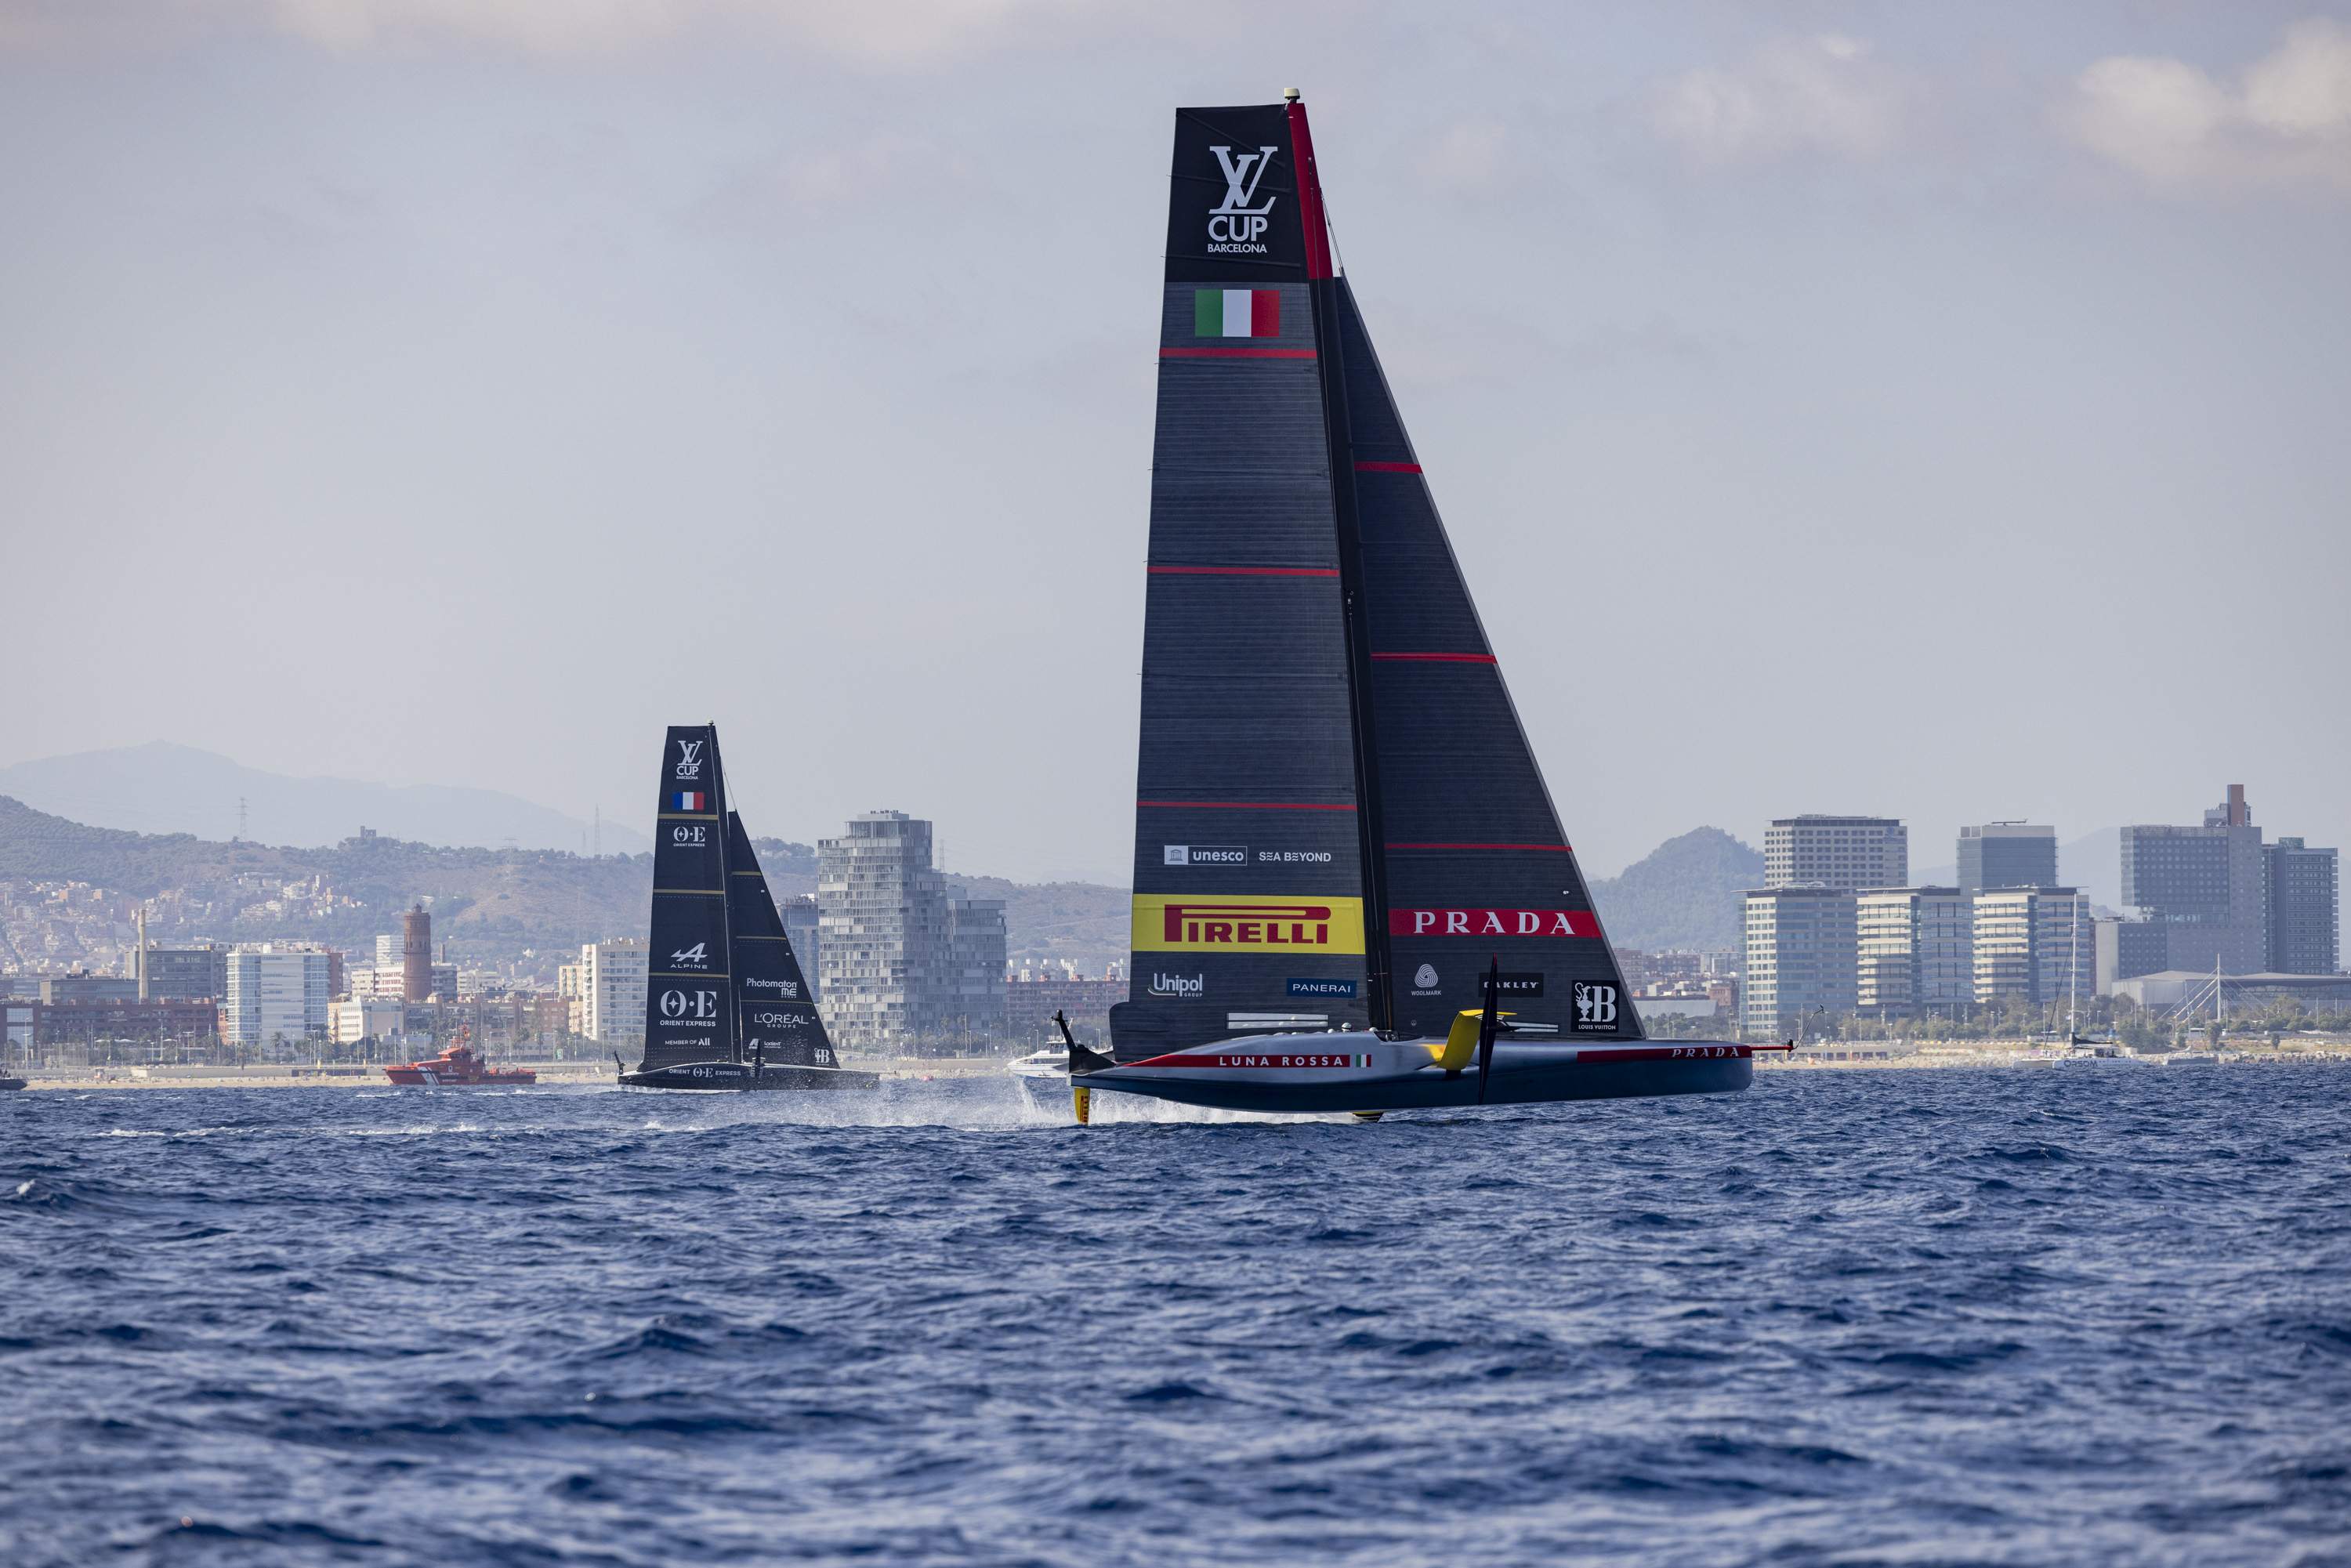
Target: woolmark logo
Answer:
pixel 1596 1007
pixel 1237 224
pixel 1180 987
pixel 689 759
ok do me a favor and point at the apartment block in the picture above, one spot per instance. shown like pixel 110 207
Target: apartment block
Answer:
pixel 272 993
pixel 2007 854
pixel 2036 944
pixel 1844 852
pixel 1915 952
pixel 612 981
pixel 1800 959
pixel 2303 910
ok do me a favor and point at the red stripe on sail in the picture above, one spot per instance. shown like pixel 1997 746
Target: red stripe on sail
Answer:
pixel 1247 805
pixel 1387 467
pixel 1265 313
pixel 1244 571
pixel 1236 353
pixel 1310 194
pixel 1443 658
pixel 1547 849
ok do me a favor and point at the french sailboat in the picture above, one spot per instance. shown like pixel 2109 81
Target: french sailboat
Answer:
pixel 1352 890
pixel 726 1005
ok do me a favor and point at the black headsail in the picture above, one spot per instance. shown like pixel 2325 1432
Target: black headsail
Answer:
pixel 1324 720
pixel 778 1019
pixel 1473 864
pixel 689 984
pixel 1248 871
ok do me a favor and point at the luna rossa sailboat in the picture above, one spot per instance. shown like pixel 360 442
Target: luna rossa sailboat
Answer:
pixel 1352 890
pixel 726 1005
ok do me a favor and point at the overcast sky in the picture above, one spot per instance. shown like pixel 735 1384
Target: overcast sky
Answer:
pixel 1930 409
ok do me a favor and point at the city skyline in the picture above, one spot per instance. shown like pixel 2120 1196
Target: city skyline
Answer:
pixel 451 340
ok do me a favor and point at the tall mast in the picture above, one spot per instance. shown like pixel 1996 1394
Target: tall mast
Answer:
pixel 1332 369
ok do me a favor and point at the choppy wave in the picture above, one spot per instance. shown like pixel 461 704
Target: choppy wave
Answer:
pixel 1850 1318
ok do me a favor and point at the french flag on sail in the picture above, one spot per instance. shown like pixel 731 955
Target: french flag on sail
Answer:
pixel 1237 313
pixel 691 800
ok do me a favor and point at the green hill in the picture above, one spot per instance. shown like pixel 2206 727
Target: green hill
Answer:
pixel 1684 894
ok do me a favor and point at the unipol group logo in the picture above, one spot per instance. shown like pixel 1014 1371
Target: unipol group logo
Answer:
pixel 689 759
pixel 1236 225
pixel 1596 1009
pixel 1183 987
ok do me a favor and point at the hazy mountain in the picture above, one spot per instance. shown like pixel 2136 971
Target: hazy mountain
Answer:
pixel 164 788
pixel 486 903
pixel 1683 895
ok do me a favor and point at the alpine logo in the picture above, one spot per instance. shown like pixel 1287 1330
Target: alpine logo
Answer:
pixel 1181 987
pixel 1236 225
pixel 689 760
pixel 693 958
pixel 1596 1009
pixel 1493 922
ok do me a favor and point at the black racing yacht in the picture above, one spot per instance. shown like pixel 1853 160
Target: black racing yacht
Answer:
pixel 726 1005
pixel 1352 890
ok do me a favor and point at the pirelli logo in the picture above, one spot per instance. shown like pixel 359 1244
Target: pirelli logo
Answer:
pixel 1194 923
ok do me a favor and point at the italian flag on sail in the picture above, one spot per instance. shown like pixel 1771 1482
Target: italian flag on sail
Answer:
pixel 1237 313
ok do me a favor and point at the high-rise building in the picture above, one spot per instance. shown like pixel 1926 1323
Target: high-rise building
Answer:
pixel 970 1000
pixel 901 961
pixel 800 924
pixel 882 915
pixel 1915 948
pixel 273 993
pixel 2203 885
pixel 612 990
pixel 2007 854
pixel 2305 910
pixel 182 974
pixel 1846 853
pixel 1800 959
pixel 2036 944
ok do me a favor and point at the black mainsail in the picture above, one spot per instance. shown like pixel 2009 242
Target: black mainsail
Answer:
pixel 782 1027
pixel 689 983
pixel 1339 821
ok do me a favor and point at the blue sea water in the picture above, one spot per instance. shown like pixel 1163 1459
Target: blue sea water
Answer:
pixel 2093 1316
